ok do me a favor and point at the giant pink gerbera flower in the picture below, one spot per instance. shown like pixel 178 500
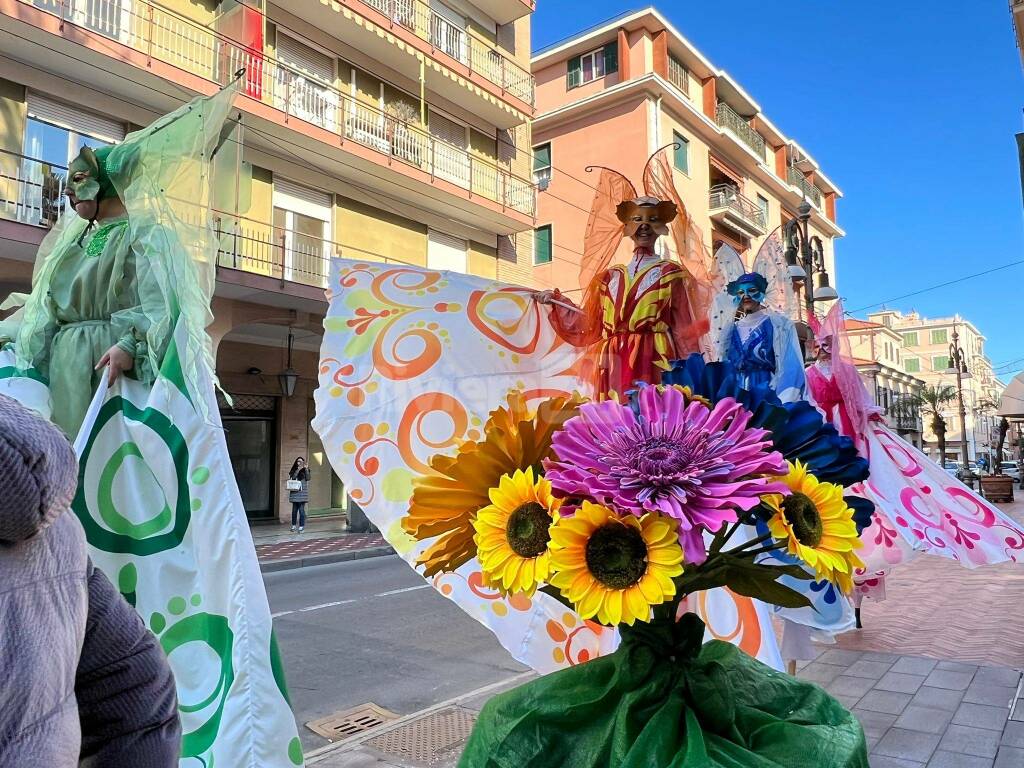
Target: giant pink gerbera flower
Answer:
pixel 696 464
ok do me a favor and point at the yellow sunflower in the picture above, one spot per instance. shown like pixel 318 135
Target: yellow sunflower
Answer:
pixel 513 531
pixel 445 504
pixel 817 525
pixel 615 567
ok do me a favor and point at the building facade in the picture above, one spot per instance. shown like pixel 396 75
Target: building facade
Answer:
pixel 926 355
pixel 392 130
pixel 613 95
pixel 878 354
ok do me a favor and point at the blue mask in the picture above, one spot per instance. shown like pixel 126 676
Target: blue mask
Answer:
pixel 747 290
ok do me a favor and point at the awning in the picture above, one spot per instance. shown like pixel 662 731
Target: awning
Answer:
pixel 1011 404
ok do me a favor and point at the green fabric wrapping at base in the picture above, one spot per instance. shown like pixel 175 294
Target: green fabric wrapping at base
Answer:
pixel 664 700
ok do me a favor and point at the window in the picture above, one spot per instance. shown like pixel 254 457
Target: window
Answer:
pixel 681 153
pixel 940 363
pixel 940 336
pixel 542 245
pixel 302 218
pixel 762 203
pixel 542 165
pixel 592 66
pixel 55 133
pixel 912 365
pixel 910 339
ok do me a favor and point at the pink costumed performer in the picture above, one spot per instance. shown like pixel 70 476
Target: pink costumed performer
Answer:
pixel 919 507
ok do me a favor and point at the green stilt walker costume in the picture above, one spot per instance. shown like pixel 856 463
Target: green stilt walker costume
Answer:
pixel 156 494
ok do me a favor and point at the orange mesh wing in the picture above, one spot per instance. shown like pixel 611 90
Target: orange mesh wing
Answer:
pixel 688 243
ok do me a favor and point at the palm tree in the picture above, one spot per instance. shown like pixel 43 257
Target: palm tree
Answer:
pixel 929 402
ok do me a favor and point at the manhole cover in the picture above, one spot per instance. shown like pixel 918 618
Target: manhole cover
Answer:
pixel 342 725
pixel 429 739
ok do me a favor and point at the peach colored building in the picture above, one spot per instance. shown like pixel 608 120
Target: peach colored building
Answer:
pixel 925 354
pixel 373 129
pixel 613 94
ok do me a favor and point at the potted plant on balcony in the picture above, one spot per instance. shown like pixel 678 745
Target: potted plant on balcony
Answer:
pixel 405 142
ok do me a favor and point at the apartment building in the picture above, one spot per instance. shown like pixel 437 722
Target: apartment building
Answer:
pixel 926 356
pixel 391 130
pixel 878 354
pixel 613 94
pixel 1017 14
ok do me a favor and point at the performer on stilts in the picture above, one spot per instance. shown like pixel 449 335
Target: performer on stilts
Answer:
pixel 636 317
pixel 919 507
pixel 753 331
pixel 111 343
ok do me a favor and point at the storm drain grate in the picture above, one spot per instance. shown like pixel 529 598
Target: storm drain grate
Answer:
pixel 348 723
pixel 427 740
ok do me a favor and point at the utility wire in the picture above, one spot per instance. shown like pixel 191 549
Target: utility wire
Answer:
pixel 940 285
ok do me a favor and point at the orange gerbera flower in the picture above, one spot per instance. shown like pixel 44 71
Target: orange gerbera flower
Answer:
pixel 445 504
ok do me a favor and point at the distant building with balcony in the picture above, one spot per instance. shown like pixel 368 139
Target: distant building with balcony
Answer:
pixel 878 352
pixel 613 94
pixel 924 353
pixel 392 130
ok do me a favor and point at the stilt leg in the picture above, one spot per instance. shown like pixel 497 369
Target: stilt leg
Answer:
pixel 856 613
pixel 791 667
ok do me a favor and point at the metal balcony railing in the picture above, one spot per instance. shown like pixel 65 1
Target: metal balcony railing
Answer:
pixel 165 35
pixel 679 76
pixel 800 181
pixel 480 56
pixel 727 196
pixel 31 190
pixel 728 118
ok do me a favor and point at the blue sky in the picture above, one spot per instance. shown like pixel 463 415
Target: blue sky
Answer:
pixel 911 108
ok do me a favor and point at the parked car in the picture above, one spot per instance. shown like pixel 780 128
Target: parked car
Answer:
pixel 1011 469
pixel 952 467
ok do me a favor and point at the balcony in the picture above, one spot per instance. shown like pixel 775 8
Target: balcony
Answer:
pixel 730 119
pixel 458 53
pixel 730 208
pixel 31 191
pixel 403 147
pixel 808 190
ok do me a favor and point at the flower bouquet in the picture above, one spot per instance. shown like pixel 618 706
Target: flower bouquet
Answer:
pixel 623 508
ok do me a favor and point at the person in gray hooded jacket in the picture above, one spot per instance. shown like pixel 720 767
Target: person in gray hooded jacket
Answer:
pixel 82 681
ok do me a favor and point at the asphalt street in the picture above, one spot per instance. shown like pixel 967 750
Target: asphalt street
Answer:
pixel 373 631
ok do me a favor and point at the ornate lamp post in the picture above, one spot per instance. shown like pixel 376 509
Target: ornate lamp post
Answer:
pixel 805 255
pixel 958 366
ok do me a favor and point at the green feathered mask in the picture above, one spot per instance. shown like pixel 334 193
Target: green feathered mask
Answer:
pixel 94 182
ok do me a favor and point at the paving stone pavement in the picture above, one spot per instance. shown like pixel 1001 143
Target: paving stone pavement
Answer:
pixel 936 607
pixel 916 713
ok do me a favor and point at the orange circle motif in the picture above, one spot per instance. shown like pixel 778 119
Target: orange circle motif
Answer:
pixel 356 396
pixel 363 432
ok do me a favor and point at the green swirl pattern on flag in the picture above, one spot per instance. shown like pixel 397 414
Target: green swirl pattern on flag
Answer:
pixel 165 522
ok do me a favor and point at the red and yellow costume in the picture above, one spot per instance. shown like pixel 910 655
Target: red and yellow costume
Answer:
pixel 636 318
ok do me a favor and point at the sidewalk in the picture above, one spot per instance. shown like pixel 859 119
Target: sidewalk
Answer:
pixel 916 712
pixel 323 541
pixel 934 678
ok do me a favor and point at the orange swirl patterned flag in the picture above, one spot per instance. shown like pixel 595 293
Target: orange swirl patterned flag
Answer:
pixel 412 364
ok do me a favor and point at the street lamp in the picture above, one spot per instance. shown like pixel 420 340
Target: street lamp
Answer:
pixel 805 255
pixel 958 366
pixel 289 376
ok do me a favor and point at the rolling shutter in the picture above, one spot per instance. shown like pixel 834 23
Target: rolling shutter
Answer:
pixel 295 197
pixel 74 118
pixel 306 59
pixel 445 252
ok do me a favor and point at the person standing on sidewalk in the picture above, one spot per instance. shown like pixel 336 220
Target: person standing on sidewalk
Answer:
pixel 298 492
